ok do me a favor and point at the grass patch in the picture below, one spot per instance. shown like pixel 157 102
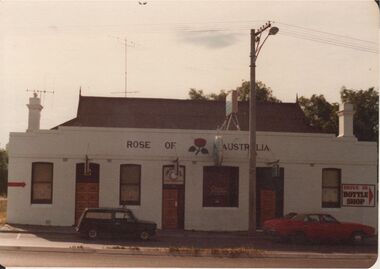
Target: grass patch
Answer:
pixel 3 210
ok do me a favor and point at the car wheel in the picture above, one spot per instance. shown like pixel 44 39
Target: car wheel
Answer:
pixel 357 237
pixel 92 233
pixel 298 238
pixel 144 235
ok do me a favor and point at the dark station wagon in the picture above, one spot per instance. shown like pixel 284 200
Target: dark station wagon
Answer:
pixel 114 221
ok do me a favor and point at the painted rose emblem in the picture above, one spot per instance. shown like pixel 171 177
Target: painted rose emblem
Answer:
pixel 199 146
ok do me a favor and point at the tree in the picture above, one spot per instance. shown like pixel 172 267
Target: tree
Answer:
pixel 366 107
pixel 3 172
pixel 263 94
pixel 195 94
pixel 320 113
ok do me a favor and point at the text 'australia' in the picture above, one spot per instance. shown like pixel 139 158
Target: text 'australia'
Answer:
pixel 244 147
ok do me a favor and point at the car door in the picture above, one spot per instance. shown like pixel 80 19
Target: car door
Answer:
pixel 313 228
pixel 124 223
pixel 332 229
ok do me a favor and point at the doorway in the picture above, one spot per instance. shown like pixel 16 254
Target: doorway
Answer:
pixel 86 189
pixel 173 197
pixel 269 195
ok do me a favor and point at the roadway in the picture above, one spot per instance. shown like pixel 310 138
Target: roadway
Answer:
pixel 19 258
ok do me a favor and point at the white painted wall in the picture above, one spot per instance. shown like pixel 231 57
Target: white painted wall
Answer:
pixel 301 155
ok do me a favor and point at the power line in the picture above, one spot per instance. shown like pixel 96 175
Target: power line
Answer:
pixel 329 42
pixel 323 32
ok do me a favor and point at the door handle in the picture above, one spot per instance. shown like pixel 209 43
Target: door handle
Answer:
pixel 176 204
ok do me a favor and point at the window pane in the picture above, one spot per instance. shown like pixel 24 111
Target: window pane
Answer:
pixel 42 172
pixel 122 215
pixel 130 193
pixel 330 195
pixel 130 174
pixel 330 178
pixel 42 191
pixel 99 215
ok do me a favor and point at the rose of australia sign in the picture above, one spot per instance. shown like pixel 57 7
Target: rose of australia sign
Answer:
pixel 358 195
pixel 199 146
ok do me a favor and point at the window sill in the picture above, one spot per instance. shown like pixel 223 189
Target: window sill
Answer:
pixel 220 207
pixel 42 205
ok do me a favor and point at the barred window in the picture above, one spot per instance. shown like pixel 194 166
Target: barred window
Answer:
pixel 331 180
pixel 130 184
pixel 42 183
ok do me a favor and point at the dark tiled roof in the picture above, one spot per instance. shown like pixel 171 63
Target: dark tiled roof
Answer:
pixel 184 114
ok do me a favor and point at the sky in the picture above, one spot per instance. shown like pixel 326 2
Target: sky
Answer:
pixel 173 46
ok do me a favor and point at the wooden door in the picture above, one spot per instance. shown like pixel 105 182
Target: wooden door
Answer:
pixel 170 209
pixel 86 196
pixel 268 205
pixel 87 189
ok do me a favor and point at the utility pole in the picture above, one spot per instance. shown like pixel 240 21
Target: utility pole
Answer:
pixel 252 139
pixel 255 49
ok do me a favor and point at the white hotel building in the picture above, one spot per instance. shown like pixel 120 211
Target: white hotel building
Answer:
pixel 156 156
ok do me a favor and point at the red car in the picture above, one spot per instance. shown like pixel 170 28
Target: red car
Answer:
pixel 317 228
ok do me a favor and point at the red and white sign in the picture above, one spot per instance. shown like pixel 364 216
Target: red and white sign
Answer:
pixel 16 184
pixel 358 195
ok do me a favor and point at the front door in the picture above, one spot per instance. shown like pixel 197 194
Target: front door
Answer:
pixel 173 198
pixel 268 205
pixel 170 209
pixel 269 195
pixel 87 189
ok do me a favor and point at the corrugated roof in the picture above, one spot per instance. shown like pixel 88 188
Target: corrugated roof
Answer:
pixel 184 114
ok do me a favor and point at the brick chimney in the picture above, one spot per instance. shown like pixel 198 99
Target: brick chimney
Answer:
pixel 346 121
pixel 35 108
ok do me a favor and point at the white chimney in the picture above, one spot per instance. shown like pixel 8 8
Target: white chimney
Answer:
pixel 346 120
pixel 34 113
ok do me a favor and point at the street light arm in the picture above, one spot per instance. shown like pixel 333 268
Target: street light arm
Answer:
pixel 260 46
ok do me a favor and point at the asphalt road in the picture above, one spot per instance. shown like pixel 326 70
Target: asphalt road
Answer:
pixel 17 258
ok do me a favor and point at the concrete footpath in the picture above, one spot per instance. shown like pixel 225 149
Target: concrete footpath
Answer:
pixel 192 243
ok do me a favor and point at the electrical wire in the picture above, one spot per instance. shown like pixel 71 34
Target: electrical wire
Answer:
pixel 286 29
pixel 323 32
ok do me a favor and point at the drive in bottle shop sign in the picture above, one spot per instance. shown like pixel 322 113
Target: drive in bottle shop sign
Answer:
pixel 358 195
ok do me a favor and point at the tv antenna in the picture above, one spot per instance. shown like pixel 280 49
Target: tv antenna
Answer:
pixel 41 93
pixel 126 45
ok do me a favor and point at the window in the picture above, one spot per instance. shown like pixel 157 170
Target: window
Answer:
pixel 42 183
pixel 312 218
pixel 130 177
pixel 220 186
pixel 329 219
pixel 99 215
pixel 123 215
pixel 331 187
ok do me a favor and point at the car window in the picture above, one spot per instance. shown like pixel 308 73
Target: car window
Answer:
pixel 299 217
pixel 312 218
pixel 329 219
pixel 98 215
pixel 123 215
